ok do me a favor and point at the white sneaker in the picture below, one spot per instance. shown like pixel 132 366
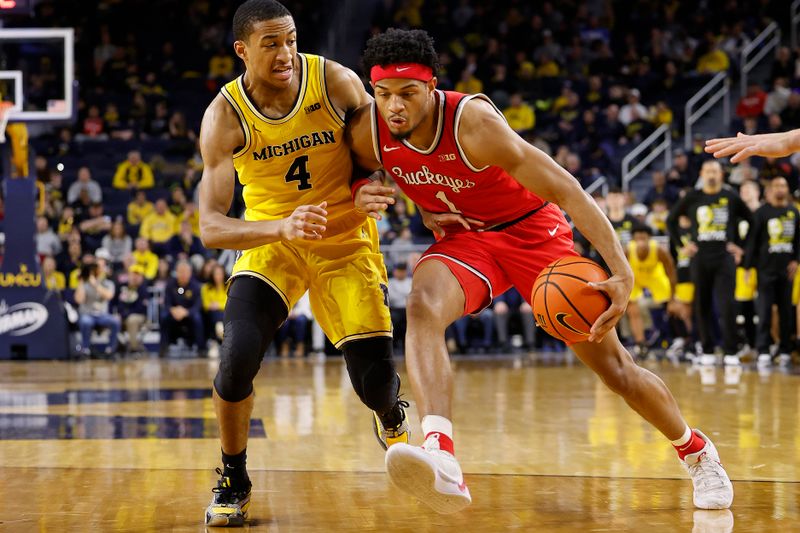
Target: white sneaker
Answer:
pixel 784 359
pixel 731 360
pixel 713 521
pixel 676 349
pixel 430 474
pixel 712 486
pixel 764 359
pixel 707 359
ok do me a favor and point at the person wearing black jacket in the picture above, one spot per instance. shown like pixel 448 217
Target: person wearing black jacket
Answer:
pixel 131 303
pixel 772 248
pixel 182 309
pixel 716 248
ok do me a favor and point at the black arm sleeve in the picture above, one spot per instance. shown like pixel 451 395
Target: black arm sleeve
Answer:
pixel 673 228
pixel 753 239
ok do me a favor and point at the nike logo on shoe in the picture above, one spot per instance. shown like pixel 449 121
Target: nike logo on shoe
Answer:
pixel 390 148
pixel 553 231
pixel 462 486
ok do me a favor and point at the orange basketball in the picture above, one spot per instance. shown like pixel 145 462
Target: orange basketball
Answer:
pixel 563 303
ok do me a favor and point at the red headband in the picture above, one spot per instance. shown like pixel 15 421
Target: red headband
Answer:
pixel 411 71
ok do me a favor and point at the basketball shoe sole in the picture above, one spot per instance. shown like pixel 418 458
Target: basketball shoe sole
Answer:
pixel 416 471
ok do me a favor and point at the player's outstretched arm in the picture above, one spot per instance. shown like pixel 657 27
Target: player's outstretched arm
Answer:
pixel 766 145
pixel 487 139
pixel 220 136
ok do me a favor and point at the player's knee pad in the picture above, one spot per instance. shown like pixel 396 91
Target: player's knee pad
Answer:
pixel 253 313
pixel 372 372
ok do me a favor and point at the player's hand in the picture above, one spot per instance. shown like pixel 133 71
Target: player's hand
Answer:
pixel 791 269
pixel 690 250
pixel 743 146
pixel 735 251
pixel 673 308
pixel 618 288
pixel 373 198
pixel 307 222
pixel 436 222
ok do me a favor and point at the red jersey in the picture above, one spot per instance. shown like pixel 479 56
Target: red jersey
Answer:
pixel 441 179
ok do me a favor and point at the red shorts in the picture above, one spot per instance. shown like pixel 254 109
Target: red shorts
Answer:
pixel 488 263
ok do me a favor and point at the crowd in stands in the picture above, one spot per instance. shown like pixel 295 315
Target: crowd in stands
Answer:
pixel 583 81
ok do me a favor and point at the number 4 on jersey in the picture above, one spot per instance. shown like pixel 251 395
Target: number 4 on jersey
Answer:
pixel 299 172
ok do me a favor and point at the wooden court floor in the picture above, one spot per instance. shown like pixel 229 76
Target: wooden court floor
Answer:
pixel 131 446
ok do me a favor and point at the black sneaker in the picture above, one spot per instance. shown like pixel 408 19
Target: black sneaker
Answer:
pixel 392 427
pixel 229 504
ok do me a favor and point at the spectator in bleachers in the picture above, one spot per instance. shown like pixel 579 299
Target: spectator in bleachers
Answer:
pixel 93 294
pixel 633 111
pixel 94 227
pixel 660 189
pixel 784 65
pixel 177 201
pixel 791 114
pixel 220 67
pixel 93 126
pixel 742 173
pixel 118 243
pixel 468 83
pixel 132 307
pixel 47 242
pixel 772 248
pixel 681 174
pixel 52 278
pixel 133 173
pixel 295 329
pixel 214 294
pixel 399 289
pixel 622 222
pixel 661 114
pixel 186 245
pixel 181 313
pixel 481 343
pixel 158 227
pixel 86 182
pixel 147 260
pixel 69 259
pixel 715 59
pixel 191 215
pixel 158 124
pixel 139 208
pixel 778 97
pixel 506 306
pixel 751 105
pixel 520 114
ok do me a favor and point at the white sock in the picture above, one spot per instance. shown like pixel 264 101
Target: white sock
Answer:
pixel 687 436
pixel 437 424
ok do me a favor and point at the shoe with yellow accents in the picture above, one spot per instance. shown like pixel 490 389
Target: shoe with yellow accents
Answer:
pixel 229 504
pixel 392 427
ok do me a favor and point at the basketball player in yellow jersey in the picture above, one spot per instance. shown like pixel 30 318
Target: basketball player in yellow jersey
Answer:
pixel 654 270
pixel 280 127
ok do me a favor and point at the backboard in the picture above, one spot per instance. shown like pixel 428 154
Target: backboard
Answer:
pixel 37 73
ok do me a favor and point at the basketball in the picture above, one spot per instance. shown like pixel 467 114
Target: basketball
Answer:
pixel 563 303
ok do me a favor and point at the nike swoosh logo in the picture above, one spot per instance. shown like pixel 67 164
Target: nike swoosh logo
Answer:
pixel 399 69
pixel 462 486
pixel 561 318
pixel 553 231
pixel 390 148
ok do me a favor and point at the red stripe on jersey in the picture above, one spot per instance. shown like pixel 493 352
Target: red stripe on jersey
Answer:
pixel 441 179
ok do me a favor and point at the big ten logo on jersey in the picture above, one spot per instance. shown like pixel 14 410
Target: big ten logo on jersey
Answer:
pixel 446 157
pixel 311 108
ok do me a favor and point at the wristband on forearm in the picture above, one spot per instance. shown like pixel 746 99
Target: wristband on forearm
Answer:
pixel 357 185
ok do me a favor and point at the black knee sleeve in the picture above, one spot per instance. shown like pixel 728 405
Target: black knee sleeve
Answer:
pixel 253 314
pixel 372 372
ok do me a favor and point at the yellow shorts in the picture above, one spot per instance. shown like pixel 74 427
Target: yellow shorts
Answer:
pixel 684 292
pixel 344 274
pixel 745 292
pixel 657 285
pixel 796 289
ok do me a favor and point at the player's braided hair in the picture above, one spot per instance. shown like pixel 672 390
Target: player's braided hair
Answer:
pixel 400 46
pixel 253 11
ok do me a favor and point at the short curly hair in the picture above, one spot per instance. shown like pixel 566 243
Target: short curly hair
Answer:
pixel 400 46
pixel 254 11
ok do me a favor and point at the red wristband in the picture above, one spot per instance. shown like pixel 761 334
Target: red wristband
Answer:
pixel 357 185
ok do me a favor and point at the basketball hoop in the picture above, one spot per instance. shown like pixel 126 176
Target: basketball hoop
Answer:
pixel 5 111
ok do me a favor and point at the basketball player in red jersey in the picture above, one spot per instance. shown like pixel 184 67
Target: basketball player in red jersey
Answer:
pixel 455 156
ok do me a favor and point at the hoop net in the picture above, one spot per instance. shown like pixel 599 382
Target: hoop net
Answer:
pixel 5 110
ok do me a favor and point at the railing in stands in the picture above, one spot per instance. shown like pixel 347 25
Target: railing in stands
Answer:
pixel 600 183
pixel 663 136
pixel 794 22
pixel 759 47
pixel 721 85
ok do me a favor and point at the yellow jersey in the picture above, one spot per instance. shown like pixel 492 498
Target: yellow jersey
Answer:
pixel 298 159
pixel 647 268
pixel 210 294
